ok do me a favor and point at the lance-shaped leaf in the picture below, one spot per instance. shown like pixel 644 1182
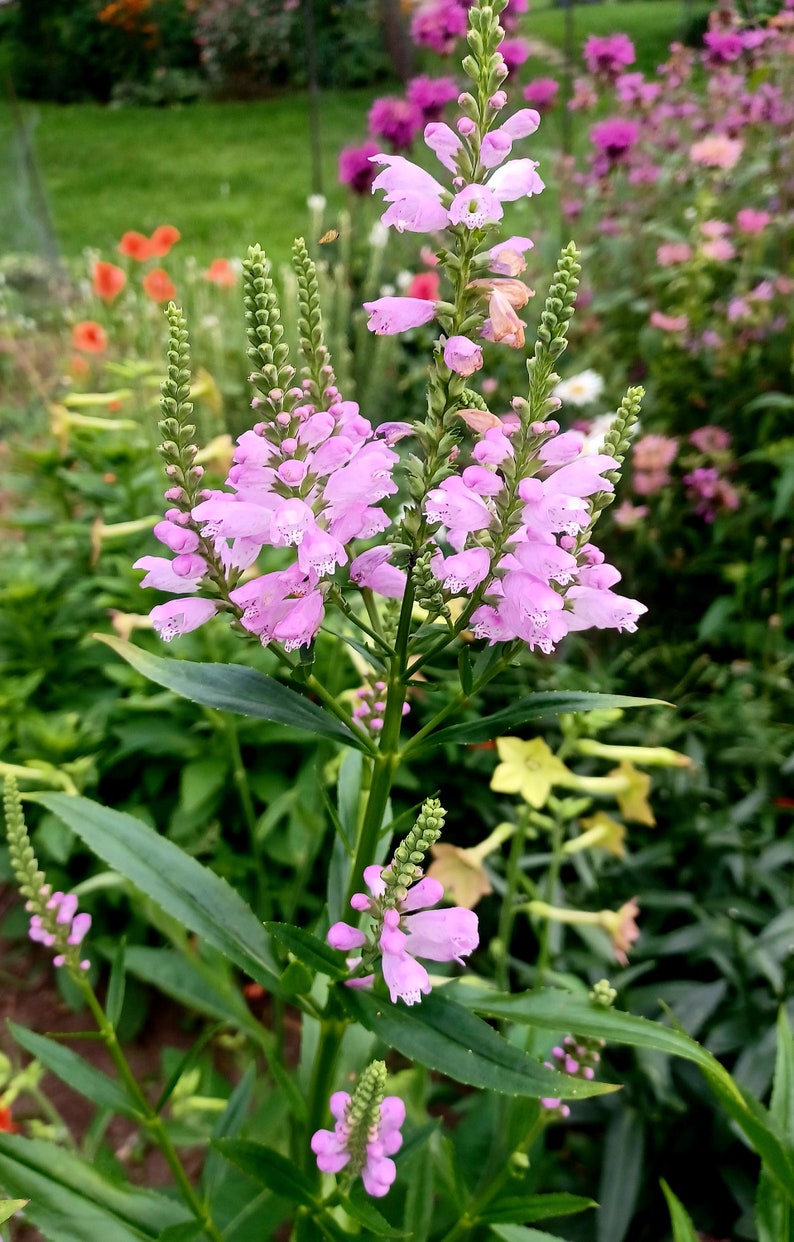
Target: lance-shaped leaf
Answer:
pixel 558 1011
pixel 195 896
pixel 235 688
pixel 71 1201
pixel 533 707
pixel 73 1070
pixel 445 1037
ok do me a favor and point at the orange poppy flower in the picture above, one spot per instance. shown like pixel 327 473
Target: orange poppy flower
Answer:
pixel 221 272
pixel 135 246
pixel 159 285
pixel 108 280
pixel 89 336
pixel 7 1123
pixel 162 239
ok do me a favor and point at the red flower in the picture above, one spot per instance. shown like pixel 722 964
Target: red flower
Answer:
pixel 159 285
pixel 89 336
pixel 7 1124
pixel 425 285
pixel 108 280
pixel 162 239
pixel 221 272
pixel 135 246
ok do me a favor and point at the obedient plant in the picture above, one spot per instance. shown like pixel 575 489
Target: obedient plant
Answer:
pixel 460 540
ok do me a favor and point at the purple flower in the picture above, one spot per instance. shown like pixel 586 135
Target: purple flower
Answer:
pixel 407 930
pixel 431 95
pixel 608 55
pixel 356 169
pixel 438 24
pixel 542 93
pixel 396 121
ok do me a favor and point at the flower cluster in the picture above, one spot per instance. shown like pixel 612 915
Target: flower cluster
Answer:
pixel 403 927
pixel 56 923
pixel 366 1134
pixel 405 931
pixel 577 1056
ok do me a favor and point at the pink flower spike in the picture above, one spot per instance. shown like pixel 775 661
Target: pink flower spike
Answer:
pixel 390 315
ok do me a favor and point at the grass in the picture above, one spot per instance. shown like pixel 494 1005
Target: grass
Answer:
pixel 228 174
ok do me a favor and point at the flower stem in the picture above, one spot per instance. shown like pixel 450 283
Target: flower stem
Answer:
pixel 150 1120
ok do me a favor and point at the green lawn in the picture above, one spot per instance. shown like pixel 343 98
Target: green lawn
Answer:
pixel 228 174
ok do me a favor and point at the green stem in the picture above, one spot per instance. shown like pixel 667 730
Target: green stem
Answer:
pixel 151 1120
pixel 507 914
pixel 264 904
pixel 331 1033
pixel 469 1219
pixel 552 880
pixel 387 756
pixel 328 701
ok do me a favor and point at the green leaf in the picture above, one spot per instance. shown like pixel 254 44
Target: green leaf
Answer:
pixel 523 1208
pixel 558 1011
pixel 361 1208
pixel 445 1037
pixel 8 1207
pixel 72 1069
pixel 195 896
pixel 683 1229
pixel 774 1211
pixel 71 1202
pixel 308 949
pixel 182 1233
pixel 228 1126
pixel 234 688
pixel 269 1168
pixel 519 1233
pixel 621 1174
pixel 535 707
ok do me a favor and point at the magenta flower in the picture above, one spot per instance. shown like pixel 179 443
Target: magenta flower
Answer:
pixel 396 121
pixel 614 138
pixel 608 55
pixel 406 931
pixel 542 93
pixel 431 95
pixel 355 167
pixel 438 24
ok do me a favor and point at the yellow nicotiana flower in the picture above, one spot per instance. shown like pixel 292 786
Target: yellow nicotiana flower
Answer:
pixel 633 798
pixel 601 833
pixel 529 769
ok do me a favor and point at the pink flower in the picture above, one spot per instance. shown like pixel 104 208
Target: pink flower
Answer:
pixel 670 253
pixel 431 95
pixel 335 1148
pixel 462 571
pixel 614 137
pixel 716 151
pixel 653 452
pixel 541 93
pixel 425 285
pixel 719 249
pixel 438 24
pixel 608 55
pixel 748 220
pixel 723 46
pixel 180 616
pixel 390 315
pixel 669 323
pixel 710 439
pixel 407 930
pixel 462 355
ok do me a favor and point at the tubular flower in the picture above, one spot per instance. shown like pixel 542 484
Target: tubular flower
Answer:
pixel 406 931
pixel 366 1134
